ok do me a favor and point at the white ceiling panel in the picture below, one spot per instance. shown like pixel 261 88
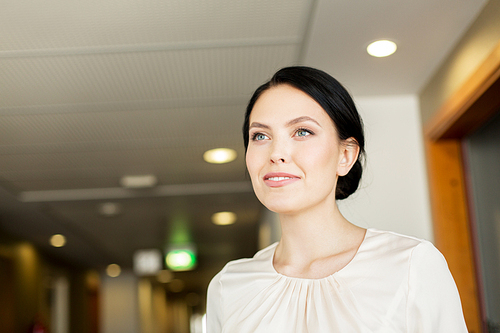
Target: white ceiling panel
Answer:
pixel 102 78
pixel 117 129
pixel 59 25
pixel 182 163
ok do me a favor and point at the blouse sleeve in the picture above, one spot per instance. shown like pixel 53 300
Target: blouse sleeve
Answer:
pixel 433 300
pixel 214 305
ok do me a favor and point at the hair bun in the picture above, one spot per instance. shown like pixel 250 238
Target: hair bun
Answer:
pixel 348 184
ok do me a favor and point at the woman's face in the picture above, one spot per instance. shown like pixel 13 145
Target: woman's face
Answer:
pixel 294 155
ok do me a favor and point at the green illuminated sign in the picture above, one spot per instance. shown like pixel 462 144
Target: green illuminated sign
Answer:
pixel 181 259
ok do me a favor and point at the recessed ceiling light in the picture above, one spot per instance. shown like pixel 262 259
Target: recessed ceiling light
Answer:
pixel 219 155
pixel 140 181
pixel 113 270
pixel 57 240
pixel 224 218
pixel 109 209
pixel 381 48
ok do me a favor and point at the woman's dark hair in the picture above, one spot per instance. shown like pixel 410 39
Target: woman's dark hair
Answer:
pixel 336 102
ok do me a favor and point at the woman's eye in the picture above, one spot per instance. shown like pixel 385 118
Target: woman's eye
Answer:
pixel 302 133
pixel 259 137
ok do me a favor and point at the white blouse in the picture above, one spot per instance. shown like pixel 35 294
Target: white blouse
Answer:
pixel 394 283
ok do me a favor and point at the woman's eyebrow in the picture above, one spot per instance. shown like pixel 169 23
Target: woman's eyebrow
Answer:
pixel 301 119
pixel 254 124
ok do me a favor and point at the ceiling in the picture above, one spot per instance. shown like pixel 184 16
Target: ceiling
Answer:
pixel 92 91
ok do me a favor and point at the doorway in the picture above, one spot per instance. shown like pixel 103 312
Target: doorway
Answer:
pixel 7 297
pixel 482 157
pixel 470 108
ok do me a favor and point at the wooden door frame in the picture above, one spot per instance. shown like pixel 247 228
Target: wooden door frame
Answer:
pixel 474 103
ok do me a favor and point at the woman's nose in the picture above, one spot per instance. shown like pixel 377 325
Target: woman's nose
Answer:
pixel 279 153
pixel 277 160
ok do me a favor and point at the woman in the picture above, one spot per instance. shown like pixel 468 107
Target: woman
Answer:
pixel 304 146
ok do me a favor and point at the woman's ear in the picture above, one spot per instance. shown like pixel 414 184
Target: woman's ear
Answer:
pixel 349 151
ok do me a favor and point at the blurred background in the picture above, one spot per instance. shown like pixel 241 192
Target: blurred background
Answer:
pixel 108 109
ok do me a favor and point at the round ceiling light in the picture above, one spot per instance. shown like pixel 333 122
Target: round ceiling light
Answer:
pixel 381 48
pixel 219 155
pixel 224 218
pixel 113 270
pixel 57 240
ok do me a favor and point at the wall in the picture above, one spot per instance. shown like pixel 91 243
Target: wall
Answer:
pixel 60 305
pixel 477 43
pixel 393 194
pixel 28 280
pixel 119 303
pixel 269 228
pixel 473 49
pixel 153 307
pixel 80 294
pixel 25 276
pixel 7 295
pixel 29 292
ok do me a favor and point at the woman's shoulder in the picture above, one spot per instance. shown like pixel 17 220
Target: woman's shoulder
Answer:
pixel 391 246
pixel 389 256
pixel 261 261
pixel 393 240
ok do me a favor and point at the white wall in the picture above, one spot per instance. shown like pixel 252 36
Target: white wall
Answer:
pixel 153 307
pixel 60 305
pixel 269 228
pixel 119 304
pixel 393 194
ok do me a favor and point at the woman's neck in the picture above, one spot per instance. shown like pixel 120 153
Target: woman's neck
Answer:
pixel 316 235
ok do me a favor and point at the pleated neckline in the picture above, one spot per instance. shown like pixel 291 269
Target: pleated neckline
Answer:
pixel 328 277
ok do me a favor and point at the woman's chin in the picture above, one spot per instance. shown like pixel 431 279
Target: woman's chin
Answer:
pixel 283 207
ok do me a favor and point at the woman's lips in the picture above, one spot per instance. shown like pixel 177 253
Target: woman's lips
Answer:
pixel 278 179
